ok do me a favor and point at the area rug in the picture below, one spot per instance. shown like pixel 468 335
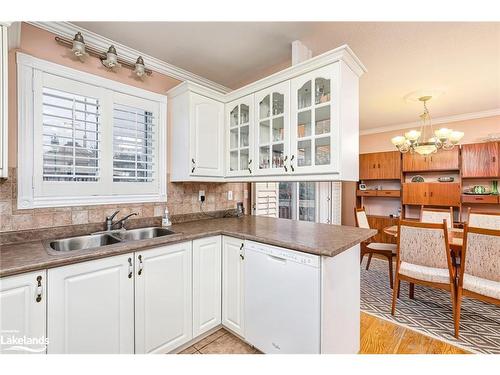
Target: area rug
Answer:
pixel 430 312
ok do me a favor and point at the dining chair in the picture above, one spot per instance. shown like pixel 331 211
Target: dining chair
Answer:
pixel 482 219
pixel 387 250
pixel 436 215
pixel 479 275
pixel 423 257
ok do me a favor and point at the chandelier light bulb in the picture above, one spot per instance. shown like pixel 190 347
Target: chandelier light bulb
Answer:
pixel 413 135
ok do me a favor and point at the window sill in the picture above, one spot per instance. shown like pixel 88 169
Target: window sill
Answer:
pixel 49 202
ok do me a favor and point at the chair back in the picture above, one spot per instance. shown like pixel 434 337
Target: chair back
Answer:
pixel 487 220
pixel 481 253
pixel 435 215
pixel 423 244
pixel 361 218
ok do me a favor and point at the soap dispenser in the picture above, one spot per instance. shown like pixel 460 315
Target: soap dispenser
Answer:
pixel 165 221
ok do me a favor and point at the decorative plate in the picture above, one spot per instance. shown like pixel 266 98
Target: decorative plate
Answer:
pixel 417 178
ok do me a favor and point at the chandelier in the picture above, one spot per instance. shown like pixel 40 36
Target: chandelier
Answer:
pixel 424 144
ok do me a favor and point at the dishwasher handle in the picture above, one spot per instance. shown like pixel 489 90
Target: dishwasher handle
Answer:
pixel 277 259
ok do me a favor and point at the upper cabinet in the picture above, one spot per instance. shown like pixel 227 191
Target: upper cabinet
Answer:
pixel 239 136
pixel 315 126
pixel 3 102
pixel 272 106
pixel 440 161
pixel 380 166
pixel 298 124
pixel 481 160
pixel 198 135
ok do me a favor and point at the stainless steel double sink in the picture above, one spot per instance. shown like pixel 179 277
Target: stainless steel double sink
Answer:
pixel 109 238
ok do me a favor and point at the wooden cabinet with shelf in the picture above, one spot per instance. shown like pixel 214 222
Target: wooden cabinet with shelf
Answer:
pixel 431 194
pixel 480 160
pixel 380 166
pixel 379 193
pixel 440 161
pixel 379 223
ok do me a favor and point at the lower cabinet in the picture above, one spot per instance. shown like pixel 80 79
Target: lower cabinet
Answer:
pixel 23 306
pixel 163 308
pixel 207 280
pixel 91 307
pixel 233 284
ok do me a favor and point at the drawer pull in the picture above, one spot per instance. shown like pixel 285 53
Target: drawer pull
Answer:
pixel 130 269
pixel 141 266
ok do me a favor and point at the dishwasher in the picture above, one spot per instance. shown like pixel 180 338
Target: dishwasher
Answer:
pixel 282 299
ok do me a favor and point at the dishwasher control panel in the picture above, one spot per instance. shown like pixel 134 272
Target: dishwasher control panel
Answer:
pixel 284 254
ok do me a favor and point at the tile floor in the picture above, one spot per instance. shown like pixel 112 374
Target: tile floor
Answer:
pixel 220 342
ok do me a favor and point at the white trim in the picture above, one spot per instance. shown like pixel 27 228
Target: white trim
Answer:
pixel 26 67
pixel 437 120
pixel 4 124
pixel 68 30
pixel 14 35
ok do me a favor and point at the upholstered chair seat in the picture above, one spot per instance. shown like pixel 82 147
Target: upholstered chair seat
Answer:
pixel 488 288
pixel 430 274
pixel 383 246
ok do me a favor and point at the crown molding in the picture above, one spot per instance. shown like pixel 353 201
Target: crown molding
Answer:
pixel 67 29
pixel 437 120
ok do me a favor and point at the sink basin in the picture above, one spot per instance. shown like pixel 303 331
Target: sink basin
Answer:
pixel 83 242
pixel 143 233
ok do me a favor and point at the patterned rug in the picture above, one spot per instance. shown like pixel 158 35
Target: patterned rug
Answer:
pixel 430 312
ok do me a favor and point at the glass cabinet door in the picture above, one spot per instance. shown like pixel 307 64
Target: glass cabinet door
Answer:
pixel 313 127
pixel 240 134
pixel 272 135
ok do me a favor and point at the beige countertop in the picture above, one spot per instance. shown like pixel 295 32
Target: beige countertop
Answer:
pixel 313 238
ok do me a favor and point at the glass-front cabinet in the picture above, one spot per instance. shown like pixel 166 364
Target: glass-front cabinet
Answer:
pixel 272 139
pixel 314 125
pixel 240 129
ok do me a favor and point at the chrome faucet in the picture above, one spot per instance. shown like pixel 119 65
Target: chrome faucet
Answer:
pixel 109 220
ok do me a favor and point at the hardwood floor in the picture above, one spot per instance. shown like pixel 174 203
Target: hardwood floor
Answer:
pixel 377 337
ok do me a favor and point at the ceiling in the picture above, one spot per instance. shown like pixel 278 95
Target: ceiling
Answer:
pixel 460 59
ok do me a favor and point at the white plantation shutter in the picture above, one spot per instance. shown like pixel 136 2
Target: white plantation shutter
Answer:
pixel 71 134
pixel 133 144
pixel 265 199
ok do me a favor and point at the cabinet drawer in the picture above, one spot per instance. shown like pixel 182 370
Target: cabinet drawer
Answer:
pixel 367 193
pixel 388 193
pixel 479 198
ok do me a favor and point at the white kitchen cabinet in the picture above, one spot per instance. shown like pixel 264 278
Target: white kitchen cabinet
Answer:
pixel 239 137
pixel 233 284
pixel 163 299
pixel 272 107
pixel 207 277
pixel 3 101
pixel 315 126
pixel 198 134
pixel 91 307
pixel 23 304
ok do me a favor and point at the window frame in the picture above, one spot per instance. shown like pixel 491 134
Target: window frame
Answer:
pixel 33 192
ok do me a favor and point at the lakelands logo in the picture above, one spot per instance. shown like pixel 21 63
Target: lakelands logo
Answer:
pixel 10 341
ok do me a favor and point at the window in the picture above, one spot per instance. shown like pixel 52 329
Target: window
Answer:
pixel 89 140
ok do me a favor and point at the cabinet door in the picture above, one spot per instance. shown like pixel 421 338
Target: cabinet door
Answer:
pixel 388 165
pixel 22 312
pixel 91 307
pixel 206 136
pixel 366 165
pixel 207 277
pixel 272 129
pixel 314 122
pixel 163 309
pixel 414 162
pixel 416 193
pixel 239 137
pixel 232 284
pixel 444 160
pixel 444 194
pixel 480 160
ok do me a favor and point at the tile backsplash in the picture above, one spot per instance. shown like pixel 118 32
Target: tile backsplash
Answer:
pixel 182 198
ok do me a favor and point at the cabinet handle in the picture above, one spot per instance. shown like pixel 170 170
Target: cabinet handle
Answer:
pixel 291 165
pixel 379 165
pixel 241 254
pixel 494 159
pixel 141 266
pixel 431 194
pixel 284 163
pixel 130 269
pixel 249 169
pixel 425 193
pixel 194 165
pixel 39 289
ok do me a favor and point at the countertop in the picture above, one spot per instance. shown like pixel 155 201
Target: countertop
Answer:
pixel 319 239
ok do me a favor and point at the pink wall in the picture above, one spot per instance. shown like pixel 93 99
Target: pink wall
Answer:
pixel 474 130
pixel 40 43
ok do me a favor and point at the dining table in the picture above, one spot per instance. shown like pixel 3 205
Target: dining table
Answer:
pixel 455 238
